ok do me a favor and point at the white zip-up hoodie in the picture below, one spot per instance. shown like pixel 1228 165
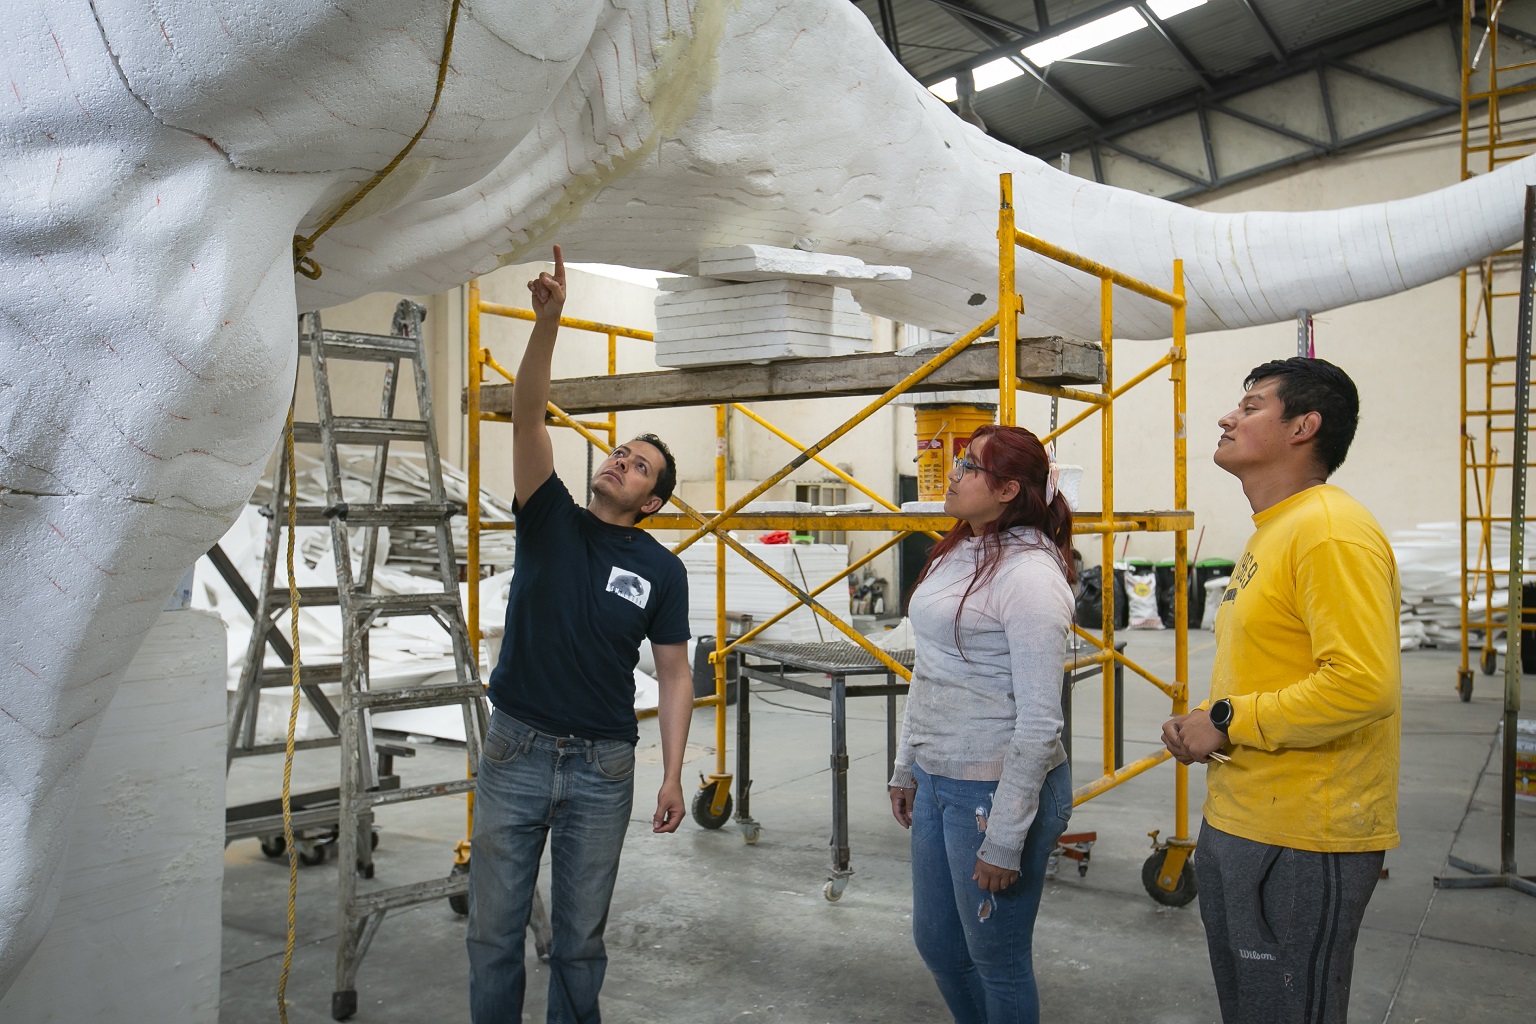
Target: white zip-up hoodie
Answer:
pixel 991 708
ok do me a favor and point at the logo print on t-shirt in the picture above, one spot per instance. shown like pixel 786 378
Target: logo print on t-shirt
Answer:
pixel 631 587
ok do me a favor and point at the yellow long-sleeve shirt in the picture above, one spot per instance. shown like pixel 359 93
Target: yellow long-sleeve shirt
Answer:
pixel 1307 650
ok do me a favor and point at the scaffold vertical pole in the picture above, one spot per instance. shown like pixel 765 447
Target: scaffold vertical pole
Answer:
pixel 1009 307
pixel 1181 569
pixel 1107 515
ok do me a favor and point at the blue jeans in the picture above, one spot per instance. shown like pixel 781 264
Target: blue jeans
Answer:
pixel 979 945
pixel 578 793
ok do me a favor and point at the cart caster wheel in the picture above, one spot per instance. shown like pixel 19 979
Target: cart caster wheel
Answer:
pixel 274 846
pixel 312 857
pixel 833 890
pixel 459 901
pixel 1464 686
pixel 1182 894
pixel 1082 869
pixel 751 832
pixel 702 812
pixel 364 870
pixel 1489 662
pixel 343 1004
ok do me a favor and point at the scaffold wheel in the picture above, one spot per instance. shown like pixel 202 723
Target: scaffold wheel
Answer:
pixel 459 902
pixel 1181 894
pixel 703 812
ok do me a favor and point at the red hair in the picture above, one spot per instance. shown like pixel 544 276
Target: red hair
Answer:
pixel 1011 453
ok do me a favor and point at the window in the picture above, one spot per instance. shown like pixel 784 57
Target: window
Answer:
pixel 825 493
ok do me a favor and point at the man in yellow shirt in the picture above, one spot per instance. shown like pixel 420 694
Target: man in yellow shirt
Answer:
pixel 1305 704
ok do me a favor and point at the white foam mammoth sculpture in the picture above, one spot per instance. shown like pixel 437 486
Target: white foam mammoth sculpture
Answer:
pixel 159 155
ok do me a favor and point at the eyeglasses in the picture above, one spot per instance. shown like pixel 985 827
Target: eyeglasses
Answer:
pixel 965 465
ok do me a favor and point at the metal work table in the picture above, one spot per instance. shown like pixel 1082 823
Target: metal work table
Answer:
pixel 779 663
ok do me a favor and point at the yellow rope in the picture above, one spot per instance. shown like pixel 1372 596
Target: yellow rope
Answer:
pixel 293 722
pixel 303 263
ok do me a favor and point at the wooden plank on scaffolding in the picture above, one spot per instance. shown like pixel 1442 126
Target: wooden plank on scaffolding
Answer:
pixel 1052 360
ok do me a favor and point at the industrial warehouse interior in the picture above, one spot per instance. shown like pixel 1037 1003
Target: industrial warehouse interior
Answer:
pixel 1053 298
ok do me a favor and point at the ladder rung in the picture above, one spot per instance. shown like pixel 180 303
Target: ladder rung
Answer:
pixel 376 798
pixel 408 895
pixel 408 698
pixel 384 348
pixel 405 604
pixel 311 596
pixel 309 675
pixel 358 513
pixel 263 749
pixel 362 430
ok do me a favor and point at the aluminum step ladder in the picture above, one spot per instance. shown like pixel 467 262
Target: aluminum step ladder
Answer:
pixel 365 784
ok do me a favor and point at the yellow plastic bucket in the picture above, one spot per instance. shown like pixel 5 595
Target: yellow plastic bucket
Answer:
pixel 943 434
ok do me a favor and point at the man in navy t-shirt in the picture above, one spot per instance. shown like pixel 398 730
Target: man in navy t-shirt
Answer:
pixel 559 759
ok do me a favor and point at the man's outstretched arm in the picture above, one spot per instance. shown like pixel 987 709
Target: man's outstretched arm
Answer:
pixel 533 457
pixel 674 713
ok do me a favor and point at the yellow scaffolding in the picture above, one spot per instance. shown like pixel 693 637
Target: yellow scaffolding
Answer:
pixel 1165 875
pixel 1490 295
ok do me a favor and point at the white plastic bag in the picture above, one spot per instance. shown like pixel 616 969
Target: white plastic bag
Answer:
pixel 1141 589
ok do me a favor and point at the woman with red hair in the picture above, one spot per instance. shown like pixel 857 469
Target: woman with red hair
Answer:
pixel 981 776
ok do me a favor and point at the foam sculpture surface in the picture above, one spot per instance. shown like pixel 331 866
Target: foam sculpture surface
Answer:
pixel 158 156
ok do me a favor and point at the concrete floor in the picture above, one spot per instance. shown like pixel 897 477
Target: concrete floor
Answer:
pixel 707 929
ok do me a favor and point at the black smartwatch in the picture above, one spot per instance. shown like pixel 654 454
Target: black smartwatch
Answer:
pixel 1221 714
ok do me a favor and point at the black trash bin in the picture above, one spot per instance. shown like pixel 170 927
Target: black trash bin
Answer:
pixel 1164 572
pixel 1201 573
pixel 704 672
pixel 1206 569
pixel 1090 606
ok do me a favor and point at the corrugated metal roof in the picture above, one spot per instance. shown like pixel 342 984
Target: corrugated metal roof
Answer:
pixel 1141 77
pixel 1223 39
pixel 1024 109
pixel 1301 24
pixel 1129 74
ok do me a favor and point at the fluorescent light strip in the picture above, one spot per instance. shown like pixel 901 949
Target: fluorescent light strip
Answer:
pixel 1085 37
pixel 1165 9
pixel 996 73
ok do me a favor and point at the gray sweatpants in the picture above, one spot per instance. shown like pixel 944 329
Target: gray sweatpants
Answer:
pixel 1281 925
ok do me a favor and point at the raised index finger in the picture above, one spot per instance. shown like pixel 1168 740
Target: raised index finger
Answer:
pixel 559 267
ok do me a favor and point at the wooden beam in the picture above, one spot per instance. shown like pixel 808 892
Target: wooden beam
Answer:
pixel 1051 360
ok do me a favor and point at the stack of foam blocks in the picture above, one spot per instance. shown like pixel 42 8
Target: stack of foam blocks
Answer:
pixel 755 303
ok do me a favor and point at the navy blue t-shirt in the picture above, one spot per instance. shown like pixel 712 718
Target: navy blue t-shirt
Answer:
pixel 584 594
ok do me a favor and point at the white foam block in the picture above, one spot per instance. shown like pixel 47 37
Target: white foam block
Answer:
pixel 765 325
pixel 788 319
pixel 767 262
pixel 753 348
